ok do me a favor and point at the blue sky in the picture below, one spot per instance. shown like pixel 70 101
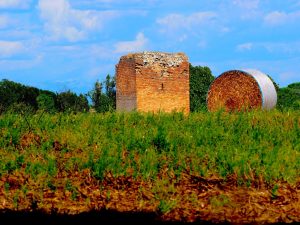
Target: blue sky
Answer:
pixel 69 44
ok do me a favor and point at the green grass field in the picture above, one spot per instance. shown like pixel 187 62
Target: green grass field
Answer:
pixel 54 151
pixel 247 145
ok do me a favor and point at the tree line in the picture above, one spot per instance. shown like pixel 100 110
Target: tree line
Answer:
pixel 16 97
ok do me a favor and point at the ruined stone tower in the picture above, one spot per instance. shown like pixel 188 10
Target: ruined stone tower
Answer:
pixel 153 81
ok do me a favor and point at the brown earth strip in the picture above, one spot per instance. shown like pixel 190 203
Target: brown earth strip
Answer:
pixel 188 199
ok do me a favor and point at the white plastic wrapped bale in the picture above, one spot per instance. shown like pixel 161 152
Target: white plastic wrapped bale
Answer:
pixel 242 90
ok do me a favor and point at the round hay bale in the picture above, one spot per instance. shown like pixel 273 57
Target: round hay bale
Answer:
pixel 239 90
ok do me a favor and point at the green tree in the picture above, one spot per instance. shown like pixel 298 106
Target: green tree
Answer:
pixel 14 94
pixel 289 97
pixel 69 102
pixel 200 80
pixel 103 102
pixel 19 98
pixel 9 93
pixel 295 86
pixel 110 91
pixel 95 95
pixel 46 102
pixel 82 103
pixel 29 95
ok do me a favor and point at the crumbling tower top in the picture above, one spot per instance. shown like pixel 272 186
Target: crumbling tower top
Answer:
pixel 154 58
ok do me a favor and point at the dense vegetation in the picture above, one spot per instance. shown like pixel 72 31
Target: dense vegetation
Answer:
pixel 104 102
pixel 200 80
pixel 289 97
pixel 245 165
pixel 15 97
pixel 246 145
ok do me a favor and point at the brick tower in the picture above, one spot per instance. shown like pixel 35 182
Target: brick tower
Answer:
pixel 152 82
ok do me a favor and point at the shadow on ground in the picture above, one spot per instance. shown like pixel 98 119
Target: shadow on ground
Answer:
pixel 91 218
pixel 101 217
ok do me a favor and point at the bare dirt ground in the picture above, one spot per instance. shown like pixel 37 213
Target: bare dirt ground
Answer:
pixel 190 199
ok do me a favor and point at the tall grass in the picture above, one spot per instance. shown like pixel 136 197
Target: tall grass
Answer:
pixel 246 145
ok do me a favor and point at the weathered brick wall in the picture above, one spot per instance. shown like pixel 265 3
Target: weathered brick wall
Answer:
pixel 126 84
pixel 161 82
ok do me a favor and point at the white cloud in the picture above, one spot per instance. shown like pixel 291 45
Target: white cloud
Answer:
pixel 61 21
pixel 14 3
pixel 3 21
pixel 116 1
pixel 202 44
pixel 174 21
pixel 276 18
pixel 247 4
pixel 245 47
pixel 19 64
pixel 10 48
pixel 182 38
pixel 225 29
pixel 246 9
pixel 272 47
pixel 106 1
pixel 24 48
pixel 93 52
pixel 282 47
pixel 139 44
